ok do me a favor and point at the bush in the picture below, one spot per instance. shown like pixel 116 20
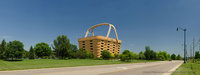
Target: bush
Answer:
pixel 179 57
pixel 126 56
pixel 105 54
pixel 83 54
pixel 197 55
pixel 141 55
pixel 173 56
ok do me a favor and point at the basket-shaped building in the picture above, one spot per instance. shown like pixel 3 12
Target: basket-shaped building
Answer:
pixel 96 44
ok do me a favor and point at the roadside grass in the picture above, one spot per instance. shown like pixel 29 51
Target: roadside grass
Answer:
pixel 53 63
pixel 188 69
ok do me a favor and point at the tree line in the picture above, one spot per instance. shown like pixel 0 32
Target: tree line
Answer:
pixel 63 49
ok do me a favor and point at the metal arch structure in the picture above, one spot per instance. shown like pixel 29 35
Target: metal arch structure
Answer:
pixel 110 25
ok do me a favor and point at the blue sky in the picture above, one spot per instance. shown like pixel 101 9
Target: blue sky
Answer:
pixel 139 22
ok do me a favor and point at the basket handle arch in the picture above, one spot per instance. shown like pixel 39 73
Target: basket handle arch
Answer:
pixel 110 26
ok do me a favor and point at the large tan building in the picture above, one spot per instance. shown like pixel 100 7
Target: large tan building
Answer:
pixel 96 44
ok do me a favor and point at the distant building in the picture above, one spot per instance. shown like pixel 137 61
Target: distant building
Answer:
pixel 96 44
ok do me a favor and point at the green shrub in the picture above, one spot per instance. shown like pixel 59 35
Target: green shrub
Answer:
pixel 83 54
pixel 105 54
pixel 126 56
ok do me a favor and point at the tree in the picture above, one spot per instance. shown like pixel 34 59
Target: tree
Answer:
pixel 32 54
pixel 105 54
pixel 2 49
pixel 15 50
pixel 43 50
pixel 179 57
pixel 149 54
pixel 83 54
pixel 74 49
pixel 141 55
pixel 168 56
pixel 197 55
pixel 173 56
pixel 160 56
pixel 62 47
pixel 126 55
pixel 26 54
pixel 165 55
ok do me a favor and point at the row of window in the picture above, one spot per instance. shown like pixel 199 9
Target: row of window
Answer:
pixel 102 41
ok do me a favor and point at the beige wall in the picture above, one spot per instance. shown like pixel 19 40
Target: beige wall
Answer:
pixel 96 44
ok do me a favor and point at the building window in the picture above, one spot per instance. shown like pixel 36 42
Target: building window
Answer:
pixel 91 43
pixel 108 49
pixel 83 41
pixel 90 40
pixel 102 40
pixel 113 52
pixel 113 47
pixel 101 48
pixel 108 44
pixel 91 48
pixel 108 41
pixel 102 43
pixel 83 44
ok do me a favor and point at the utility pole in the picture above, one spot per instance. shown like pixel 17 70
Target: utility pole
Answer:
pixel 190 51
pixel 184 29
pixel 199 44
pixel 193 47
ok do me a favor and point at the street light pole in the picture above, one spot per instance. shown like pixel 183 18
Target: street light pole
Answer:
pixel 184 42
pixel 184 45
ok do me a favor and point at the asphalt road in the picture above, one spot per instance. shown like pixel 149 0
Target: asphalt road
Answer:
pixel 153 68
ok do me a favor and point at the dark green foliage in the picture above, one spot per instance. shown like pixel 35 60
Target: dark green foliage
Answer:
pixel 141 55
pixel 197 55
pixel 83 54
pixel 162 55
pixel 43 50
pixel 116 56
pixel 179 57
pixel 169 56
pixel 26 54
pixel 126 56
pixel 149 54
pixel 74 48
pixel 62 47
pixel 173 56
pixel 32 54
pixel 15 50
pixel 2 49
pixel 73 51
pixel 105 54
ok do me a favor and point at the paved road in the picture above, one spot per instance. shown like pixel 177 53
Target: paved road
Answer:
pixel 153 68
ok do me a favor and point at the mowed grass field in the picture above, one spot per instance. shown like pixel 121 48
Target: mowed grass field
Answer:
pixel 188 69
pixel 53 63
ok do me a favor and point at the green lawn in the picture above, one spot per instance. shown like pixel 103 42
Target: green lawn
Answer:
pixel 188 69
pixel 53 63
